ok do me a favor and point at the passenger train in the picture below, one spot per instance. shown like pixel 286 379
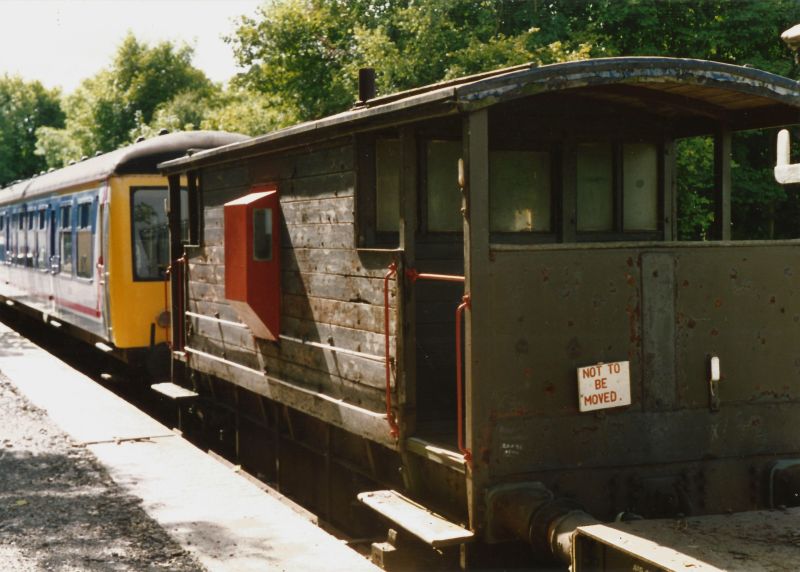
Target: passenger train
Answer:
pixel 86 246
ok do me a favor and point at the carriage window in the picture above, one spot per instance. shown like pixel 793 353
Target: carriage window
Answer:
pixel 262 234
pixel 640 186
pixel 65 230
pixel 41 219
pixel 595 179
pixel 150 234
pixel 519 191
pixel 84 241
pixel 444 196
pixel 387 185
pixel 41 241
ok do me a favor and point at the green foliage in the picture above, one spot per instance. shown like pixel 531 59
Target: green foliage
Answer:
pixel 695 180
pixel 242 111
pixel 111 108
pixel 24 107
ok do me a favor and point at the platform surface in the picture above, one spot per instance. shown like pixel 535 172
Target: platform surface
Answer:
pixel 226 522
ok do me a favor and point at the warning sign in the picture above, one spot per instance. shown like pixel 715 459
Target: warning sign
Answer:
pixel 604 385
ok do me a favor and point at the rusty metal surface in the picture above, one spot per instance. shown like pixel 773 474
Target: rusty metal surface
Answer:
pixel 752 541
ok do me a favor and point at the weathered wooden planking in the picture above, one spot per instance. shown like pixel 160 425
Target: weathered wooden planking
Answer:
pixel 360 421
pixel 318 235
pixel 206 292
pixel 349 367
pixel 224 177
pixel 323 382
pixel 221 310
pixel 335 312
pixel 209 273
pixel 209 255
pixel 318 186
pixel 336 287
pixel 336 158
pixel 348 262
pixel 334 210
pixel 347 338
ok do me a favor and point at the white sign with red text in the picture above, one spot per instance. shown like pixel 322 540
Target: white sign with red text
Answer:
pixel 604 385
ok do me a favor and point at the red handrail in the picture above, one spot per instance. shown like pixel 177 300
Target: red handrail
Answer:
pixel 394 430
pixel 465 303
pixel 180 307
pixel 167 281
pixel 413 275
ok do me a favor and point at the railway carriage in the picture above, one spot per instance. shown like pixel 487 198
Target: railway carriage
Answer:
pixel 474 296
pixel 87 246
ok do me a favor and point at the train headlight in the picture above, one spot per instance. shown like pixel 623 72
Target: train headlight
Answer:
pixel 163 319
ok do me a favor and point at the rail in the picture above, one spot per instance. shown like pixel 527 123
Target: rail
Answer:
pixel 413 275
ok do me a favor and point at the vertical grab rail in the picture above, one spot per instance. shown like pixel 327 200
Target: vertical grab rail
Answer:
pixel 465 303
pixel 394 430
pixel 181 277
pixel 167 280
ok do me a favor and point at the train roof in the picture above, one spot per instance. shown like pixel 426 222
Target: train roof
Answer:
pixel 690 90
pixel 141 157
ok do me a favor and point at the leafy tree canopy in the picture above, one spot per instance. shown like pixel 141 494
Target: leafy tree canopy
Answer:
pixel 24 106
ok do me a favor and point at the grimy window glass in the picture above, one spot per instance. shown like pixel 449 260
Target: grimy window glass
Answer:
pixel 66 239
pixel 84 241
pixel 387 185
pixel 262 234
pixel 519 191
pixel 444 196
pixel 595 187
pixel 640 186
pixel 150 233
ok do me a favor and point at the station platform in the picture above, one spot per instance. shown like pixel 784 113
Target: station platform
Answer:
pixel 226 522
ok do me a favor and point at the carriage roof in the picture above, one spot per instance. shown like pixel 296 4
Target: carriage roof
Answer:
pixel 141 157
pixel 739 97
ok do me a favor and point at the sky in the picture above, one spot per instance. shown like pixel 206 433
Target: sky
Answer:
pixel 61 42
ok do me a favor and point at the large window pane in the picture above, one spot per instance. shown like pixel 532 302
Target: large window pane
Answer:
pixel 519 191
pixel 595 187
pixel 640 186
pixel 65 230
pixel 387 184
pixel 84 241
pixel 150 234
pixel 444 196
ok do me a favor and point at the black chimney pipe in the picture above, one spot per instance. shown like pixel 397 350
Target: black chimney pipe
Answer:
pixel 366 84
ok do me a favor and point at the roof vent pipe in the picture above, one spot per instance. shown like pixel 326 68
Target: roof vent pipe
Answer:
pixel 366 84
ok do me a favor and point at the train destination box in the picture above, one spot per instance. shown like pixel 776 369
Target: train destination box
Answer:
pixel 604 385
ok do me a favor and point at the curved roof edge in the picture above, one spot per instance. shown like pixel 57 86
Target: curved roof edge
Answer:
pixel 139 157
pixel 490 88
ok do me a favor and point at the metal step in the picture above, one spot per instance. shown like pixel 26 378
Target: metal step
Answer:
pixel 431 528
pixel 173 391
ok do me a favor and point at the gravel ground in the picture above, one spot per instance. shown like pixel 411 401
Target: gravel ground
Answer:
pixel 59 509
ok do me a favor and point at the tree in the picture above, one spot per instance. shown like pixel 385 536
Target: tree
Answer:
pixel 106 110
pixel 24 106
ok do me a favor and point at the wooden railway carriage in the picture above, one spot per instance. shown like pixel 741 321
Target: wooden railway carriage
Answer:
pixel 86 246
pixel 605 363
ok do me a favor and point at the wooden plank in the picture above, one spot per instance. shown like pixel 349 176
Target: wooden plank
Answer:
pixel 348 366
pixel 336 287
pixel 426 525
pixel 319 186
pixel 306 162
pixel 322 382
pixel 354 419
pixel 347 262
pixel 348 338
pixel 318 235
pixel 333 210
pixel 335 312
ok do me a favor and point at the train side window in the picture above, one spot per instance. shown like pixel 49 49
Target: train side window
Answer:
pixel 595 187
pixel 150 233
pixel 443 193
pixel 618 190
pixel 41 241
pixel 84 241
pixel 387 185
pixel 378 190
pixel 65 232
pixel 520 191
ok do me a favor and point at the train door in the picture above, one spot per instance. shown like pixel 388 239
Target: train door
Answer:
pixel 102 258
pixel 52 258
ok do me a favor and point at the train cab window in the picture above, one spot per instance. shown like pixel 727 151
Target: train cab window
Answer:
pixel 150 233
pixel 65 239
pixel 519 191
pixel 640 186
pixel 84 241
pixel 443 193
